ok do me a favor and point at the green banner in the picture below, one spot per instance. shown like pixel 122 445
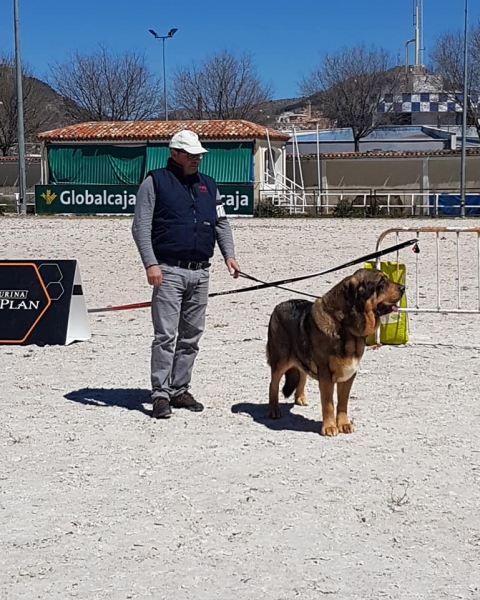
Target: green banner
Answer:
pixel 237 199
pixel 120 199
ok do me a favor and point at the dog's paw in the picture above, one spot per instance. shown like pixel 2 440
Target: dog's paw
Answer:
pixel 301 400
pixel 274 413
pixel 329 429
pixel 343 424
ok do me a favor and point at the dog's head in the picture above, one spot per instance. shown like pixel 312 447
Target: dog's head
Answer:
pixel 369 295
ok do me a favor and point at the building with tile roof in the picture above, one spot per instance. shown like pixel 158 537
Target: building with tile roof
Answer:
pixel 123 131
pixel 241 154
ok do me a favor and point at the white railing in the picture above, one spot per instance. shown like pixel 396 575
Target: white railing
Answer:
pixel 453 254
pixel 282 191
pixel 372 202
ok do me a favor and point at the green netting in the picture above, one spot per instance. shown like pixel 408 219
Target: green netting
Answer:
pixel 96 164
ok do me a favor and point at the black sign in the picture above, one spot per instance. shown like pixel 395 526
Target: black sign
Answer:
pixel 36 301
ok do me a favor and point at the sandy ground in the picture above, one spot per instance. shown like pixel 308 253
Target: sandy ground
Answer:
pixel 97 500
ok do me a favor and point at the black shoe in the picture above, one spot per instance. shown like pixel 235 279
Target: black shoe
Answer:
pixel 186 400
pixel 161 409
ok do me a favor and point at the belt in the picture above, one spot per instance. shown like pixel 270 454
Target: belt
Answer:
pixel 187 264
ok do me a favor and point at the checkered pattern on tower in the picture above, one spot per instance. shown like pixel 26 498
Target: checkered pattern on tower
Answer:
pixel 424 102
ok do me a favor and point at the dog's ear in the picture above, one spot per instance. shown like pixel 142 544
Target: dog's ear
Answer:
pixel 351 291
pixel 359 290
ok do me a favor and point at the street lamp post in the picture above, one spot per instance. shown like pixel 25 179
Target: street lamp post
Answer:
pixel 22 183
pixel 170 34
pixel 464 115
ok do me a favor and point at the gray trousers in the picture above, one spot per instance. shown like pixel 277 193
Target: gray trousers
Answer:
pixel 178 314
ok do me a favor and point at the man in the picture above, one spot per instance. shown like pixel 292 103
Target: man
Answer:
pixel 178 218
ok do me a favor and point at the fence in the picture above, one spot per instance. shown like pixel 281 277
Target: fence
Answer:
pixel 395 203
pixel 455 262
pixel 9 202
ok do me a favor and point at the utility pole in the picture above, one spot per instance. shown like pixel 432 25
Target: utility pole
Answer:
pixel 464 115
pixel 22 179
pixel 170 34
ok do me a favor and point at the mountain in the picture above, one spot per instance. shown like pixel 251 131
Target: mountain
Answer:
pixel 54 106
pixel 43 109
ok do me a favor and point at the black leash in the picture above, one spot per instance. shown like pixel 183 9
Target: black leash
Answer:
pixel 278 284
pixel 279 287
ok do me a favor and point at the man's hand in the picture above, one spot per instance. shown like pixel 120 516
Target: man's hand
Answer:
pixel 154 275
pixel 233 267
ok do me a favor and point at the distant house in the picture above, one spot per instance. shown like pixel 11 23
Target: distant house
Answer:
pixel 302 119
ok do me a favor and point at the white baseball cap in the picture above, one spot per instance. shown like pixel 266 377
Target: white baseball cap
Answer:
pixel 188 141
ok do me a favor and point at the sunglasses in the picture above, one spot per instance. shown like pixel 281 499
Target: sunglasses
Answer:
pixel 191 156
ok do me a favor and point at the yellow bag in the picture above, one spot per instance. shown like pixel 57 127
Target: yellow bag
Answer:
pixel 393 327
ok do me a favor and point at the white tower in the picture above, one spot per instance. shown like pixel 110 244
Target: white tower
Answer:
pixel 418 24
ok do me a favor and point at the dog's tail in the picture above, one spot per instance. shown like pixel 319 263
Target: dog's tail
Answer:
pixel 292 378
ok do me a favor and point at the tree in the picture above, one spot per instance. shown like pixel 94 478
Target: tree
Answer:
pixel 103 86
pixel 352 83
pixel 33 114
pixel 222 87
pixel 447 57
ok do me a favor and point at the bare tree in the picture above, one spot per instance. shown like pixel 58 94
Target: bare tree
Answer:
pixel 34 116
pixel 221 87
pixel 353 82
pixel 103 86
pixel 447 57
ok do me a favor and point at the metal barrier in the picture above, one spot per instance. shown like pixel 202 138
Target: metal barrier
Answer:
pixel 11 203
pixel 376 202
pixel 455 265
pixel 393 203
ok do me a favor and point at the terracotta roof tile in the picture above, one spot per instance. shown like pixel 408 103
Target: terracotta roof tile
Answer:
pixel 160 130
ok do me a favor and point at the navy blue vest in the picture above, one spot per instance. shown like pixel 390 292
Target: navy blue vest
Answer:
pixel 183 226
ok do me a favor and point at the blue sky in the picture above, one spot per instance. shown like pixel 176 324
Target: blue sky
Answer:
pixel 286 39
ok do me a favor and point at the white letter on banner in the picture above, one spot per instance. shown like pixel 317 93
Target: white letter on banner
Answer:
pixel 65 197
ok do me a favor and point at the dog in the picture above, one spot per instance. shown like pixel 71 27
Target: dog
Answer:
pixel 325 340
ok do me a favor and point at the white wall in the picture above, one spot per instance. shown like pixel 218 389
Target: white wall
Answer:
pixel 440 173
